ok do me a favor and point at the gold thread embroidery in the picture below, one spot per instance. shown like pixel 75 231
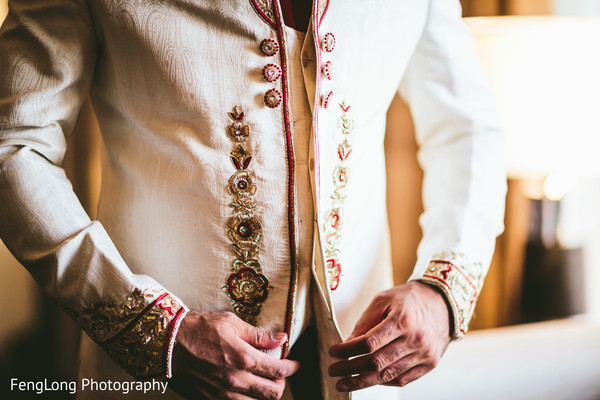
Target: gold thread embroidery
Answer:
pixel 102 320
pixel 141 349
pixel 246 285
pixel 332 225
pixel 266 7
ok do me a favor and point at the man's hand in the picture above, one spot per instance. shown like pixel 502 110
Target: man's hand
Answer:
pixel 399 338
pixel 217 356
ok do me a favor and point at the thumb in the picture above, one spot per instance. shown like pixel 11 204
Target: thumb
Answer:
pixel 262 338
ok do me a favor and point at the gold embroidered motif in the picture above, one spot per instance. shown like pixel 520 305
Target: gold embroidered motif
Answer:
pixel 333 219
pixel 246 285
pixel 461 281
pixel 266 8
pixel 141 348
pixel 238 131
pixel 242 184
pixel 102 320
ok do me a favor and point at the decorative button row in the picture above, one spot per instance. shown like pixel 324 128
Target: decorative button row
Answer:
pixel 271 72
pixel 328 44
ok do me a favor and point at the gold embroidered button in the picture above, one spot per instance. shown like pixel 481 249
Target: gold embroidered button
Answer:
pixel 273 98
pixel 327 99
pixel 328 42
pixel 327 70
pixel 271 72
pixel 269 47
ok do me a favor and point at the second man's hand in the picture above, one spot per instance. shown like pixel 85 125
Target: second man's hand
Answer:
pixel 399 338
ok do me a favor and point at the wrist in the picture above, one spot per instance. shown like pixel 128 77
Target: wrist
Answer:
pixel 442 300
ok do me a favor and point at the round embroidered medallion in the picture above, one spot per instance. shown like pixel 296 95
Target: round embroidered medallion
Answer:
pixel 271 72
pixel 273 98
pixel 269 47
pixel 247 287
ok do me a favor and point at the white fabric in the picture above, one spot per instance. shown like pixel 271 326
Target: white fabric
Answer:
pixel 163 76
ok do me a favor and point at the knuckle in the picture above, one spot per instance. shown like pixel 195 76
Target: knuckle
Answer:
pixel 232 381
pixel 388 374
pixel 263 392
pixel 419 339
pixel 405 321
pixel 278 373
pixel 247 362
pixel 434 363
pixel 428 353
pixel 377 363
pixel 261 335
pixel 371 343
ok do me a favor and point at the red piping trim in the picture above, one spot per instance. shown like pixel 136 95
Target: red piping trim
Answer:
pixel 324 12
pixel 291 200
pixel 173 323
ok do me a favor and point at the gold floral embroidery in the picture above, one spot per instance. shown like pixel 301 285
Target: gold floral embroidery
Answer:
pixel 461 281
pixel 246 285
pixel 143 349
pixel 102 320
pixel 334 217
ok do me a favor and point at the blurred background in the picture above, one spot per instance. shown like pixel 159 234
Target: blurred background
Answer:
pixel 544 72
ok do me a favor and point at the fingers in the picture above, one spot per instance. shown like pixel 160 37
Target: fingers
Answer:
pixel 264 365
pixel 259 388
pixel 376 338
pixel 409 376
pixel 388 374
pixel 260 338
pixel 231 384
pixel 375 362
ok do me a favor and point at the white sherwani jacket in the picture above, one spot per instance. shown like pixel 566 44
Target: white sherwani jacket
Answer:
pixel 242 161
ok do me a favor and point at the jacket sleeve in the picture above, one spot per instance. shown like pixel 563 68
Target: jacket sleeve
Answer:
pixel 48 52
pixel 461 152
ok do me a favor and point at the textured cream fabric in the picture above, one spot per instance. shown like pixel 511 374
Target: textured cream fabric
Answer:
pixel 163 77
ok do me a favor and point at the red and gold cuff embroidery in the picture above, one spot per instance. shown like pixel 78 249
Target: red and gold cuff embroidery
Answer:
pixel 246 285
pixel 138 333
pixel 334 217
pixel 461 282
pixel 144 348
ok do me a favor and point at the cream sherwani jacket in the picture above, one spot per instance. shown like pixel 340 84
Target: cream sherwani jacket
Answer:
pixel 242 160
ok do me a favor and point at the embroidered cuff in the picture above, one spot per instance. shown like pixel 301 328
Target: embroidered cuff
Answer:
pixel 145 346
pixel 147 323
pixel 461 282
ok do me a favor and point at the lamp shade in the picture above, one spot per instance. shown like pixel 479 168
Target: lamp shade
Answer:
pixel 545 74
